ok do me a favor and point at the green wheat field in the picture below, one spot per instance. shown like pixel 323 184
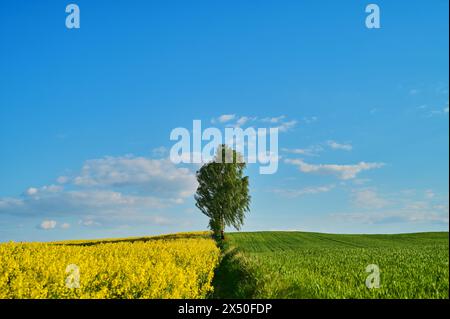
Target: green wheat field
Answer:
pixel 316 265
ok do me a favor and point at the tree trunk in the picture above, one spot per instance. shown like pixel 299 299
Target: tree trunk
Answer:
pixel 222 234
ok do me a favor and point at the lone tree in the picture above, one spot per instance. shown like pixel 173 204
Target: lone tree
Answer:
pixel 223 192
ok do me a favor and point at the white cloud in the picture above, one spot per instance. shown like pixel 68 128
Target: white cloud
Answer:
pixel 65 225
pixel 88 222
pixel 368 199
pixel 342 171
pixel 273 120
pixel 48 224
pixel 226 118
pixel 242 120
pixel 62 179
pixel 310 151
pixel 279 122
pixel 301 151
pixel 434 111
pixel 35 192
pixel 7 202
pixel 31 191
pixel 417 205
pixel 286 126
pixel 292 193
pixel 109 189
pixel 402 207
pixel 338 146
pixel 315 149
pixel 80 202
pixel 311 119
pixel 146 175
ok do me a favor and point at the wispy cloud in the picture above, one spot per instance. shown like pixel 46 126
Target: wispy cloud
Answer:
pixel 286 126
pixel 395 216
pixel 339 146
pixel 283 119
pixel 146 175
pixel 432 111
pixel 314 150
pixel 232 120
pixel 224 118
pixel 242 120
pixel 47 224
pixel 273 120
pixel 292 193
pixel 108 189
pixel 437 112
pixel 341 171
pixel 368 199
pixel 309 119
pixel 309 151
pixel 402 207
pixel 88 222
pixel 65 225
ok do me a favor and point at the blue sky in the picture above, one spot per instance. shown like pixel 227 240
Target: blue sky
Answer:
pixel 79 106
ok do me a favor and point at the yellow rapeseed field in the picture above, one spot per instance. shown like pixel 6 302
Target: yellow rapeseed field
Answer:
pixel 162 267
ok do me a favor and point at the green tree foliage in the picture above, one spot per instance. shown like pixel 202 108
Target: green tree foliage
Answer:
pixel 223 191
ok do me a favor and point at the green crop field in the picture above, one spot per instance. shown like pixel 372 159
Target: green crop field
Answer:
pixel 316 265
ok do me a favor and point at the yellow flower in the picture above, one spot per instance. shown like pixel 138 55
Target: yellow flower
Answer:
pixel 175 266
